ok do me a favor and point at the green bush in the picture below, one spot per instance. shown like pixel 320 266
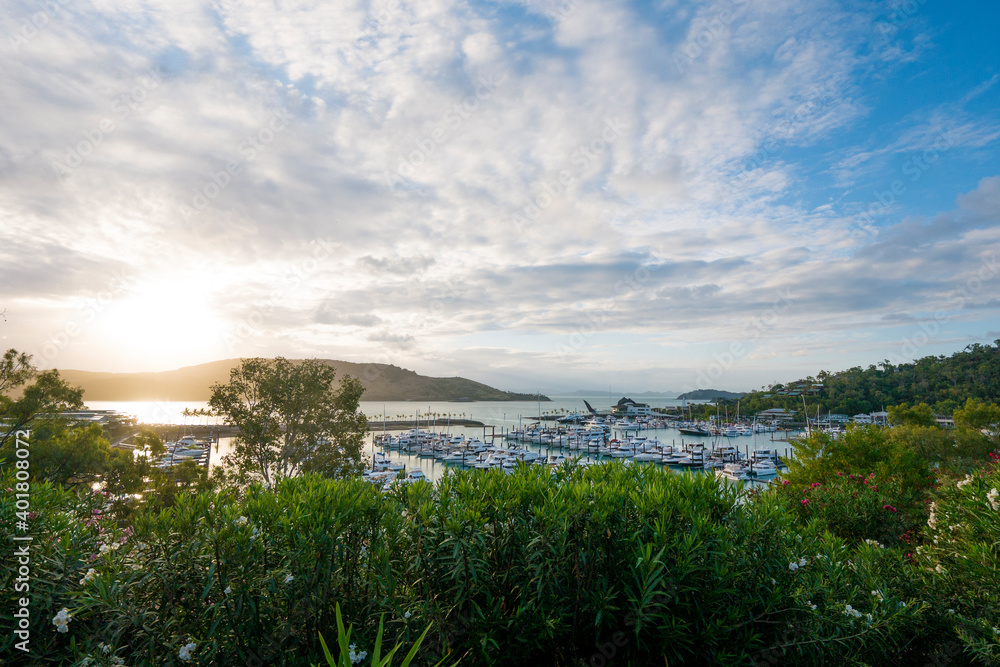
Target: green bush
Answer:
pixel 960 561
pixel 626 563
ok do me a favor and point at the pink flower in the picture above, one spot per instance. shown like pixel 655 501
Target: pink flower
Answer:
pixel 815 484
pixel 840 474
pixel 889 507
pixel 785 482
pixel 805 502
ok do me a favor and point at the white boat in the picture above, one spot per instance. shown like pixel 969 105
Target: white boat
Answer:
pixel 763 468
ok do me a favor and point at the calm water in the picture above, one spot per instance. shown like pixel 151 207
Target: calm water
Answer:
pixel 504 414
pixel 500 417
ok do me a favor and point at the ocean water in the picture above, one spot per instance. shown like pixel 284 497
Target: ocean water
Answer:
pixel 499 417
pixel 506 414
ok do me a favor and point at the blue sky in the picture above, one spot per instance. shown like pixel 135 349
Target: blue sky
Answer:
pixel 537 195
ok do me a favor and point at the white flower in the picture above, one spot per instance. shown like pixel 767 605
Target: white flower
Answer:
pixel 105 649
pixel 939 569
pixel 186 651
pixel 229 589
pixel 964 482
pixel 996 631
pixel 289 579
pixel 851 611
pixel 87 578
pixel 241 521
pixel 62 619
pixel 951 611
pixel 793 566
pixel 994 499
pixel 406 615
pixel 802 562
pixel 878 596
pixel 868 617
pixel 809 603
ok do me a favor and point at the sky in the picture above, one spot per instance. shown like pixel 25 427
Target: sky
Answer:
pixel 539 195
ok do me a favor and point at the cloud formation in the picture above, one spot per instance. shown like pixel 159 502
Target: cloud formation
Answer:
pixel 550 191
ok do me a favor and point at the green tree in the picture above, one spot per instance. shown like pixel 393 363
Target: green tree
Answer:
pixel 148 441
pixel 27 406
pixel 862 450
pixel 293 418
pixel 66 455
pixel 915 415
pixel 978 415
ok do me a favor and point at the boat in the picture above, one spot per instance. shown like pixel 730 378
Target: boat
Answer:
pixel 734 471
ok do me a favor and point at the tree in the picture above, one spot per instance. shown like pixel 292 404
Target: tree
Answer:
pixel 292 419
pixel 66 455
pixel 915 415
pixel 35 403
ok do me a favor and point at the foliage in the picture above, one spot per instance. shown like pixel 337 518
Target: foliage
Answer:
pixel 65 454
pixel 30 406
pixel 862 450
pixel 915 415
pixel 943 383
pixel 292 419
pixel 348 656
pixel 632 563
pixel 859 508
pixel 979 416
pixel 960 561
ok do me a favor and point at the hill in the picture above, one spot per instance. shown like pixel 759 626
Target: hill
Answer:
pixel 382 382
pixel 942 382
pixel 708 395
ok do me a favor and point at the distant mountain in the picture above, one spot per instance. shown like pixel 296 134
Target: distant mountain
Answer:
pixel 605 392
pixel 708 395
pixel 382 382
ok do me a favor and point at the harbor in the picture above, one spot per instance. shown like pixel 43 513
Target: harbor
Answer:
pixel 739 453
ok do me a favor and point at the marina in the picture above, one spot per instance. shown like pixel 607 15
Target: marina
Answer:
pixel 740 452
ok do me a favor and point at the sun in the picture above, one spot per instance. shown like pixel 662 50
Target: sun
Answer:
pixel 162 324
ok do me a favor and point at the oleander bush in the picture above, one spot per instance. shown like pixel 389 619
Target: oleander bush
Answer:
pixel 612 564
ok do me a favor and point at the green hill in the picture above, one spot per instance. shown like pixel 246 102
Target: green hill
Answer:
pixel 942 382
pixel 708 395
pixel 382 382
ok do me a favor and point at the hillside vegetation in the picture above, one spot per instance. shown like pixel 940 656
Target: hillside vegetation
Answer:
pixel 382 382
pixel 944 383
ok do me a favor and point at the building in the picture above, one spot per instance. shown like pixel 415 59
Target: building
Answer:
pixel 776 413
pixel 626 407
